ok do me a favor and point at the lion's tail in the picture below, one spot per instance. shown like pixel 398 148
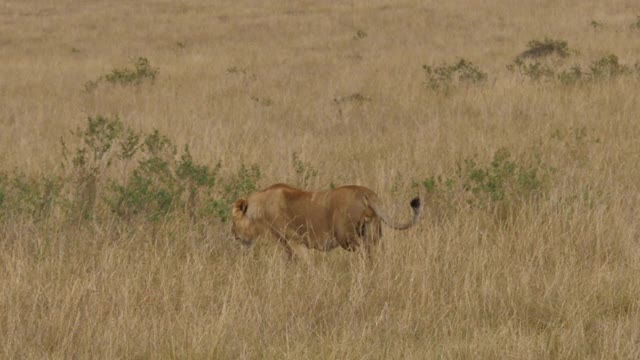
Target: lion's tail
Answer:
pixel 374 203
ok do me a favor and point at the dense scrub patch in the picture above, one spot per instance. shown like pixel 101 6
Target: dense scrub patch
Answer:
pixel 109 169
pixel 142 71
pixel 546 60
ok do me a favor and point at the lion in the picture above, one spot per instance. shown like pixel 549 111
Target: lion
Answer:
pixel 348 217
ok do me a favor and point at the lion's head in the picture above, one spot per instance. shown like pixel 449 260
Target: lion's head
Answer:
pixel 243 227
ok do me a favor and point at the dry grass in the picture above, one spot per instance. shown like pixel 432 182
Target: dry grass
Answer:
pixel 556 277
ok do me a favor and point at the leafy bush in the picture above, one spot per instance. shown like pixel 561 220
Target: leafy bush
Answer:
pixel 158 180
pixel 125 76
pixel 264 101
pixel 540 68
pixel 155 179
pixel 197 179
pixel 152 189
pixel 535 71
pixel 243 73
pixel 608 67
pixel 33 197
pixel 546 47
pixel 162 183
pixel 353 98
pixel 236 186
pixel 502 181
pixel 305 172
pixel 142 71
pixel 444 77
pixel 3 189
pixel 360 34
pixel 89 160
pixel 572 76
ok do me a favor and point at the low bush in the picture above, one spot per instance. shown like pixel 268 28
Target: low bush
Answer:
pixel 504 182
pixel 445 77
pixel 111 170
pixel 142 71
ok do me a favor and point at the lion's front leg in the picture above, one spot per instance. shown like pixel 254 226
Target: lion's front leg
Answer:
pixel 296 250
pixel 293 244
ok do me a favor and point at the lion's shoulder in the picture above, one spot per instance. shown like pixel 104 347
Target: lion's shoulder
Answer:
pixel 354 189
pixel 281 186
pixel 278 195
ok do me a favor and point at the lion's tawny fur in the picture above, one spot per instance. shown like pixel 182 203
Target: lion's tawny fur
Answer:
pixel 347 216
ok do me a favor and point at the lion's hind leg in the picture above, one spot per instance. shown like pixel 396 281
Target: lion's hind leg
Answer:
pixel 365 237
pixel 371 237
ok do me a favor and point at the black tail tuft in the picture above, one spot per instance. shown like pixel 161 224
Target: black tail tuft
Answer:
pixel 415 203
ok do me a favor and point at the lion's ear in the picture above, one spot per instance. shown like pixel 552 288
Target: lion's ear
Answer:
pixel 241 205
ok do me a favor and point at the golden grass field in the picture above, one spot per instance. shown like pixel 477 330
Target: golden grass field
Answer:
pixel 341 85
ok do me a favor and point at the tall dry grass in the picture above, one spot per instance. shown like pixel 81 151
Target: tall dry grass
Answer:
pixel 556 276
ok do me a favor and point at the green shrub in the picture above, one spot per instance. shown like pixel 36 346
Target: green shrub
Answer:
pixel 162 183
pixel 151 190
pixel 533 62
pixel 502 181
pixel 238 185
pixel 572 76
pixel 33 197
pixel 535 71
pixel 546 47
pixel 353 98
pixel 305 172
pixel 608 67
pixel 360 34
pixel 3 189
pixel 197 179
pixel 444 77
pixel 89 160
pixel 142 71
pixel 157 181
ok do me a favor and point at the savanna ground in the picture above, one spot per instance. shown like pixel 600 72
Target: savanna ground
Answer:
pixel 115 245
